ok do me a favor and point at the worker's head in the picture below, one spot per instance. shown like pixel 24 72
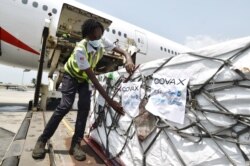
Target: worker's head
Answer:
pixel 92 29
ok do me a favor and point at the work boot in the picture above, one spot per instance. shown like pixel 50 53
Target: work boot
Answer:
pixel 77 152
pixel 39 149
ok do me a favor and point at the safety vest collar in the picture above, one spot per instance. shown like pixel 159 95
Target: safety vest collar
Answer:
pixel 71 66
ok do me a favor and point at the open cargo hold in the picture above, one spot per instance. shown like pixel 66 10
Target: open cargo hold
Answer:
pixel 205 121
pixel 68 34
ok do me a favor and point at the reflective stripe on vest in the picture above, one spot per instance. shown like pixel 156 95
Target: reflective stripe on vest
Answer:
pixel 71 66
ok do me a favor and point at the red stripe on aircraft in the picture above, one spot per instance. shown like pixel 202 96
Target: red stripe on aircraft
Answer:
pixel 8 38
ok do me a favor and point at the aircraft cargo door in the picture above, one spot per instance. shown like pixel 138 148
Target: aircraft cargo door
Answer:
pixel 71 19
pixel 141 42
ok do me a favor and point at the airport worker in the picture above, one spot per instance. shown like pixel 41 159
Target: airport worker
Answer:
pixel 78 74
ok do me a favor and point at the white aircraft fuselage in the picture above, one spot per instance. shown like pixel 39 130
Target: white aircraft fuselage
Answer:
pixel 22 23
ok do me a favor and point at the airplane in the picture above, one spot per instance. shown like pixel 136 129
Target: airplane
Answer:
pixel 22 23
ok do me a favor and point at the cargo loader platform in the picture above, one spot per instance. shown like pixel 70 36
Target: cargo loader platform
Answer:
pixel 20 151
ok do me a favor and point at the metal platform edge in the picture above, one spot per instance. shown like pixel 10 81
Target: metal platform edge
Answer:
pixel 98 150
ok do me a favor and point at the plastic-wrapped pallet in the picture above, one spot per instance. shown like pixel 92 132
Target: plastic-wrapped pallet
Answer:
pixel 192 109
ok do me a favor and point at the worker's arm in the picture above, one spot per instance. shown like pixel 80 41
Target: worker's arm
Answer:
pixel 116 106
pixel 129 63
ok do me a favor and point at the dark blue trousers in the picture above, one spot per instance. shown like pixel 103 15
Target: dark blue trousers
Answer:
pixel 70 87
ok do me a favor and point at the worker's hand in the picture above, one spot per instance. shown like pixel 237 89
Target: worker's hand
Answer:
pixel 129 67
pixel 116 106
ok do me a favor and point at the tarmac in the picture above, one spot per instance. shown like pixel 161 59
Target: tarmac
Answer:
pixel 13 108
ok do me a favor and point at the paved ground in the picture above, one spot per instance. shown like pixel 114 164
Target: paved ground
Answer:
pixel 16 97
pixel 5 140
pixel 13 108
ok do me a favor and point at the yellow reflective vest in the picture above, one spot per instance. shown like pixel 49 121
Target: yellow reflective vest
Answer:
pixel 71 66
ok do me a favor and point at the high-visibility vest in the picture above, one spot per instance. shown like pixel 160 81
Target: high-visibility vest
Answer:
pixel 71 66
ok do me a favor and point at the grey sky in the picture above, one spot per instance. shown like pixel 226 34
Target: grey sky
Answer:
pixel 195 23
pixel 178 19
